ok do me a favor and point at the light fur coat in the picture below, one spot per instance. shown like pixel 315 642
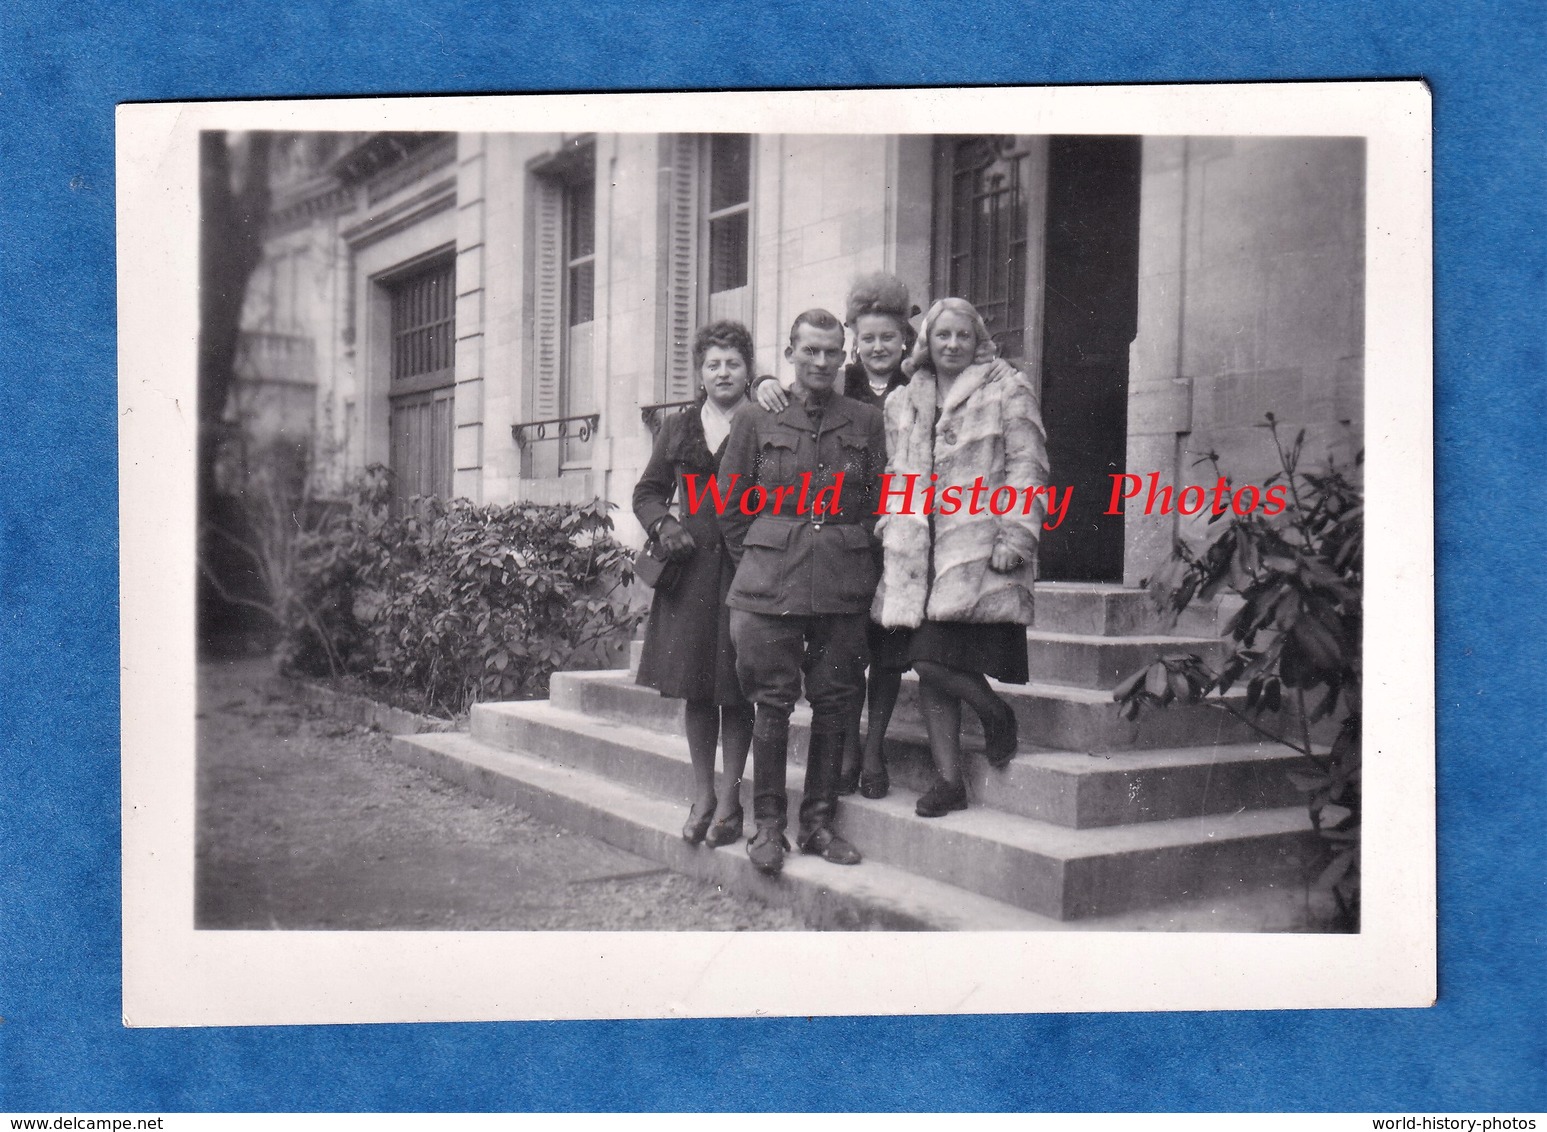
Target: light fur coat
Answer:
pixel 990 426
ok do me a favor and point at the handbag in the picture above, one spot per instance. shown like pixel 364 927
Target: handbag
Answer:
pixel 655 569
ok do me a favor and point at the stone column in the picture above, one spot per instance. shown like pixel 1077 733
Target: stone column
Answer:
pixel 1159 393
pixel 467 441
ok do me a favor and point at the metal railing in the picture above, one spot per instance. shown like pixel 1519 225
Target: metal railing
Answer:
pixel 653 416
pixel 579 427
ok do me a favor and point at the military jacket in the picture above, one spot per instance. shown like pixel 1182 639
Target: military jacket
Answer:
pixel 799 559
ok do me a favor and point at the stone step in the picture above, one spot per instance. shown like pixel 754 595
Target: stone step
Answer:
pixel 1056 716
pixel 1113 610
pixel 1088 660
pixel 1082 659
pixel 1088 791
pixel 1069 718
pixel 1051 870
pixel 869 896
pixel 1074 789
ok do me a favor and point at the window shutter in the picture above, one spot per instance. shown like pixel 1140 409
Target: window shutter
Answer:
pixel 681 250
pixel 548 297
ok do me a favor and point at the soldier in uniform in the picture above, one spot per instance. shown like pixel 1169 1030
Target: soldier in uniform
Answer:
pixel 806 571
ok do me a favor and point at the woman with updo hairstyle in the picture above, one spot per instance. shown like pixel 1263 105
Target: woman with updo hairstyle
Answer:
pixel 962 582
pixel 877 315
pixel 688 653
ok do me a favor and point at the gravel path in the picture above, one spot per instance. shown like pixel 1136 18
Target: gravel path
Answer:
pixel 306 822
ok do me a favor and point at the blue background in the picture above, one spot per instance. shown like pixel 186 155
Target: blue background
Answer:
pixel 62 69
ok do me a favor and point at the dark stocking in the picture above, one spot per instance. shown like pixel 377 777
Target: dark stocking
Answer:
pixel 942 713
pixel 884 686
pixel 969 687
pixel 703 727
pixel 735 741
pixel 851 743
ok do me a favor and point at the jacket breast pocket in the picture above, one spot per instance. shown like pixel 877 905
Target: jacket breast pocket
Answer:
pixel 856 456
pixel 776 459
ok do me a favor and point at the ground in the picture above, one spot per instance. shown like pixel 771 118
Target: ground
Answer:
pixel 307 822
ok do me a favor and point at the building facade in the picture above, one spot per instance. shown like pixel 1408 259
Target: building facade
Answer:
pixel 502 316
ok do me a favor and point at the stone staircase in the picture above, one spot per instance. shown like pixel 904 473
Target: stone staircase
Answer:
pixel 1179 820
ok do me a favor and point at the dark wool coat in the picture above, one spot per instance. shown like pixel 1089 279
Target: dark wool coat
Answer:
pixel 936 567
pixel 688 653
pixel 856 384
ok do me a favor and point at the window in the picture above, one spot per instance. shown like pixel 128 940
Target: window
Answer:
pixel 577 393
pixel 564 303
pixel 980 232
pixel 580 253
pixel 706 247
pixel 424 328
pixel 423 373
pixel 727 225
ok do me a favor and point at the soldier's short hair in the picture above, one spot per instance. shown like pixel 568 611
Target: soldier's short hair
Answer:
pixel 815 317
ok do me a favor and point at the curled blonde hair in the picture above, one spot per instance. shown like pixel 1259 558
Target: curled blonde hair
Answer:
pixel 920 358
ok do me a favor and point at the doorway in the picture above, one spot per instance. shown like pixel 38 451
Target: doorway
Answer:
pixel 1090 316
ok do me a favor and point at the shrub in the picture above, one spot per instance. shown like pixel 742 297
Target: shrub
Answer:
pixel 1296 638
pixel 465 602
pixel 437 603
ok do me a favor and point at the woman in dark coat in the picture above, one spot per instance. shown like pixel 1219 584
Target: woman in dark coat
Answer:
pixel 876 313
pixel 688 653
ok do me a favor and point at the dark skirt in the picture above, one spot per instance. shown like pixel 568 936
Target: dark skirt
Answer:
pixel 889 647
pixel 997 650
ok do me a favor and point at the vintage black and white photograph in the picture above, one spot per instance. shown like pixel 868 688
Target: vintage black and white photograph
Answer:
pixel 896 525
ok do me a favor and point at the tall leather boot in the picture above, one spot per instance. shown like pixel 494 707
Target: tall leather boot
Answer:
pixel 770 756
pixel 819 803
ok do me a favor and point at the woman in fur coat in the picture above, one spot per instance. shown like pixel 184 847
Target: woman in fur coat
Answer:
pixel 687 652
pixel 961 581
pixel 877 314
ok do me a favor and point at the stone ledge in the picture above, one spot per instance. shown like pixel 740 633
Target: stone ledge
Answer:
pixel 365 711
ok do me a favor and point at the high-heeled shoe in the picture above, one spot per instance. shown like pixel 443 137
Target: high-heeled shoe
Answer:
pixel 849 780
pixel 876 785
pixel 726 831
pixel 697 824
pixel 1000 739
pixel 942 799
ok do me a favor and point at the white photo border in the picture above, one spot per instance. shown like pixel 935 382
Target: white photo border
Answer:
pixel 176 975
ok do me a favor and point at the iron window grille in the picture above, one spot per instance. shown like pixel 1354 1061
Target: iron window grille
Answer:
pixel 985 232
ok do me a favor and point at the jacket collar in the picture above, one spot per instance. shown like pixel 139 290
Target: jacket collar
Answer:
pixel 856 381
pixel 839 411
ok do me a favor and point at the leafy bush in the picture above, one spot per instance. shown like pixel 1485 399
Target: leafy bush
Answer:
pixel 1296 638
pixel 439 602
pixel 463 602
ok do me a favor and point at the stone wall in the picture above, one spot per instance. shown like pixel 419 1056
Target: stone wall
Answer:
pixel 1251 300
pixel 1250 297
